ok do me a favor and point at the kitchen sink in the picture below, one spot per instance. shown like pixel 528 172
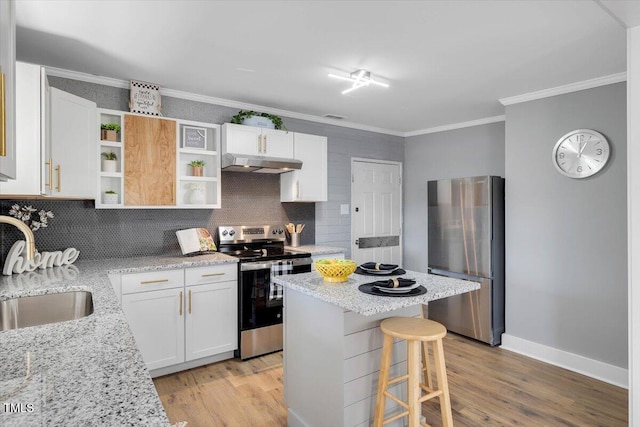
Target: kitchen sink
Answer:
pixel 36 310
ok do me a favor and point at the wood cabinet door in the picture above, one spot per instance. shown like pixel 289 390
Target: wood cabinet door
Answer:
pixel 211 320
pixel 149 161
pixel 156 320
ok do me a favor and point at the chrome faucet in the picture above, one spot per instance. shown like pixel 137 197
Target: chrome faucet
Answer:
pixel 28 234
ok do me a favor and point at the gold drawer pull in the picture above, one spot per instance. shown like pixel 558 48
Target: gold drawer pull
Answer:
pixel 180 309
pixel 189 301
pixel 148 282
pixel 58 172
pixel 213 275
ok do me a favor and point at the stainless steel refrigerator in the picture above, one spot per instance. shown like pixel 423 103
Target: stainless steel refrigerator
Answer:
pixel 466 241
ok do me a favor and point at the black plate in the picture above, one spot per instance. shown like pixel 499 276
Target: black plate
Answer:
pixel 396 272
pixel 368 288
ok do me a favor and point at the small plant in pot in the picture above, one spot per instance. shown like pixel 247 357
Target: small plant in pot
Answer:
pixel 109 131
pixel 264 120
pixel 197 167
pixel 110 197
pixel 109 162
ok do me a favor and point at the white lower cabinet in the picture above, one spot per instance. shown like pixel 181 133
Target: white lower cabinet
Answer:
pixel 182 318
pixel 156 320
pixel 211 322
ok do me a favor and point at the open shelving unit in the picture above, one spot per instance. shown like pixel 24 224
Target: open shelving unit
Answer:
pixel 208 150
pixel 205 147
pixel 112 181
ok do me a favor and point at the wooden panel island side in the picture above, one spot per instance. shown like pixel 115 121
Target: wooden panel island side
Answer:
pixel 332 345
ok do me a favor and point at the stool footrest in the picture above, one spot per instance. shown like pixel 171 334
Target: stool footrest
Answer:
pixel 402 403
pixel 430 396
pixel 398 379
pixel 395 417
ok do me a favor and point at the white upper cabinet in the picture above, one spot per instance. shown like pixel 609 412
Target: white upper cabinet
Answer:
pixel 29 133
pixel 308 184
pixel 7 65
pixel 54 134
pixel 70 155
pixel 255 141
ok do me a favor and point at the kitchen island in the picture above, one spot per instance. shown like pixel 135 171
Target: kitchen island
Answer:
pixel 332 345
pixel 85 372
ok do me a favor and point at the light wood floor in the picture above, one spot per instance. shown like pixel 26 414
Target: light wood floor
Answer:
pixel 489 387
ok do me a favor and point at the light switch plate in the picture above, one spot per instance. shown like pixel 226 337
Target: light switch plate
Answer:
pixel 344 209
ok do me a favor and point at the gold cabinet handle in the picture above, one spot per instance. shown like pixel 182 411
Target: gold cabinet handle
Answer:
pixel 3 116
pixel 180 309
pixel 265 144
pixel 58 173
pixel 49 184
pixel 259 144
pixel 213 275
pixel 189 301
pixel 148 282
pixel 297 189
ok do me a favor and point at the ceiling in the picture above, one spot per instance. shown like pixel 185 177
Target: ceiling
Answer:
pixel 445 61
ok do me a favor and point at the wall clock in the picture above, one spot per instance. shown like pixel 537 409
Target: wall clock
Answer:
pixel 580 153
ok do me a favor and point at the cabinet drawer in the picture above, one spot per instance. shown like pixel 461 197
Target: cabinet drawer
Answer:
pixel 211 274
pixel 152 281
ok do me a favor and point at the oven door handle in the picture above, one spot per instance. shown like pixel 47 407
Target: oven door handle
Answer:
pixel 266 265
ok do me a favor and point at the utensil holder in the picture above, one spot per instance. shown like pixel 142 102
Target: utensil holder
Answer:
pixel 295 239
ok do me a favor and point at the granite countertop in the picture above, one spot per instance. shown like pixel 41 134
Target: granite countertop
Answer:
pixel 315 250
pixel 82 372
pixel 347 296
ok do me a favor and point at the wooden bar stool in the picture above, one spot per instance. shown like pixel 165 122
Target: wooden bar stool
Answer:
pixel 418 333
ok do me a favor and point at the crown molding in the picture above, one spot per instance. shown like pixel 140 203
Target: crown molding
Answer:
pixel 453 126
pixel 125 84
pixel 560 90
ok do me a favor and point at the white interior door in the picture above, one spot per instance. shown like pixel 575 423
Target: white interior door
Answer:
pixel 376 221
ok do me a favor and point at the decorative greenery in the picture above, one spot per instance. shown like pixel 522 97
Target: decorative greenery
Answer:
pixel 243 114
pixel 25 213
pixel 110 192
pixel 109 155
pixel 110 126
pixel 196 163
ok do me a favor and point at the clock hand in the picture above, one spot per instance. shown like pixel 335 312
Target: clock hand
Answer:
pixel 581 149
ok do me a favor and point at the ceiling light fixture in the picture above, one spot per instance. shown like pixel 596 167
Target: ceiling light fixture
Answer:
pixel 358 79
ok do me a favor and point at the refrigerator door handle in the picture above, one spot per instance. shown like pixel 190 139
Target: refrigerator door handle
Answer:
pixel 453 274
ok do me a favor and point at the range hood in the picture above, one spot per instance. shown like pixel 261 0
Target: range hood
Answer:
pixel 232 162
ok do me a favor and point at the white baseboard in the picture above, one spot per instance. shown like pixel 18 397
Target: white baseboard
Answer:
pixel 592 368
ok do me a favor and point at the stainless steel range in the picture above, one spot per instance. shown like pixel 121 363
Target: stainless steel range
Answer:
pixel 261 253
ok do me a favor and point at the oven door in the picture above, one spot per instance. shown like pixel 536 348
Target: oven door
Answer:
pixel 256 308
pixel 260 316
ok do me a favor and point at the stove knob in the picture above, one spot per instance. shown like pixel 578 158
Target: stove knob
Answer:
pixel 274 231
pixel 232 232
pixel 224 233
pixel 280 231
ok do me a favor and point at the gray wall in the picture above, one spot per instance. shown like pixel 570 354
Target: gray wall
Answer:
pixel 566 239
pixel 472 151
pixel 246 198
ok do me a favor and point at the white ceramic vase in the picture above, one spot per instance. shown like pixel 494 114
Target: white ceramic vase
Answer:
pixel 197 197
pixel 109 165
pixel 109 199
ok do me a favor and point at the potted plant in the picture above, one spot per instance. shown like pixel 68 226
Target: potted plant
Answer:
pixel 110 197
pixel 109 162
pixel 196 167
pixel 251 118
pixel 109 131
